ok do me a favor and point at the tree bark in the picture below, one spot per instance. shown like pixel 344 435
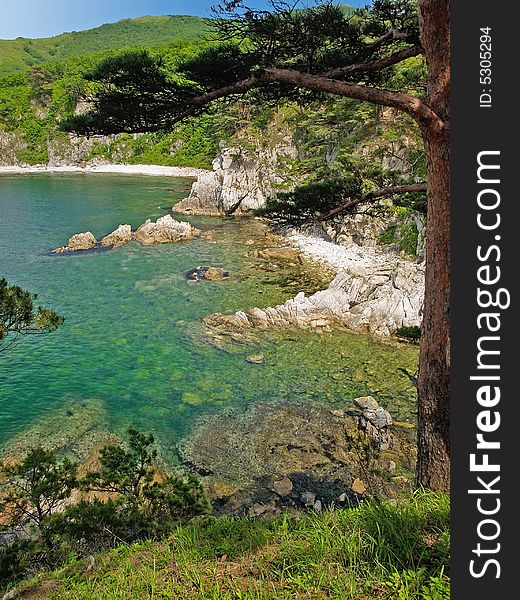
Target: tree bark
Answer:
pixel 433 386
pixel 433 430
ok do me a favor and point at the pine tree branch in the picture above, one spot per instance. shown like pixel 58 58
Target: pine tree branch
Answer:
pixel 407 103
pixel 376 65
pixel 371 196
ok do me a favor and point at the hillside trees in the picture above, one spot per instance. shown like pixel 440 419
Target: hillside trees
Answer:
pixel 301 54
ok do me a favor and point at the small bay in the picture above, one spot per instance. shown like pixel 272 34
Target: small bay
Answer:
pixel 133 340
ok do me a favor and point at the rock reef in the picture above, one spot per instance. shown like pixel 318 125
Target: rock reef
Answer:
pixel 79 241
pixel 119 237
pixel 165 230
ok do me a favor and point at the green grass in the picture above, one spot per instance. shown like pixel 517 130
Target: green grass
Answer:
pixel 372 551
pixel 21 53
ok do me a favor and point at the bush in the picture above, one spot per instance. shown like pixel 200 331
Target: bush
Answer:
pixel 411 334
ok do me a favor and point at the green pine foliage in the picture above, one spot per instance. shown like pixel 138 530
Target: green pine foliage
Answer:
pixel 19 316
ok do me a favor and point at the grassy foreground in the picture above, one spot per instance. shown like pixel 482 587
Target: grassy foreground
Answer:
pixel 372 551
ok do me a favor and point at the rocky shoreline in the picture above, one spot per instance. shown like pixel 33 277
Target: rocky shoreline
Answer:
pixel 375 289
pixel 373 292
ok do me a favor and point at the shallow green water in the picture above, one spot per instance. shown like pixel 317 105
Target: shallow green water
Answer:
pixel 133 336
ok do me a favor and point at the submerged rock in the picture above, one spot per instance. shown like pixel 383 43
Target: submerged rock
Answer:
pixel 165 230
pixel 119 237
pixel 278 253
pixel 256 359
pixel 207 274
pixel 292 454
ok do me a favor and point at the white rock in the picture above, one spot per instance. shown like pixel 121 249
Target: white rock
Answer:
pixel 81 241
pixel 119 237
pixel 164 230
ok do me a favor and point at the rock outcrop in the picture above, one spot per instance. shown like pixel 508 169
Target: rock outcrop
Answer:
pixel 376 299
pixel 79 241
pixel 119 237
pixel 237 183
pixel 164 230
pixel 82 241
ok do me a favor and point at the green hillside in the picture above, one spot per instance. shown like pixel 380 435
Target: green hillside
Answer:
pixel 21 53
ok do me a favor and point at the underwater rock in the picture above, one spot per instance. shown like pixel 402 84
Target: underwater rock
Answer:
pixel 287 453
pixel 278 253
pixel 165 230
pixel 119 237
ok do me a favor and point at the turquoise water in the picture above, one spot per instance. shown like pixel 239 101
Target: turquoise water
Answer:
pixel 133 337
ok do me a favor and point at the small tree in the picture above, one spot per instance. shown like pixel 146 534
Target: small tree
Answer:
pixel 32 490
pixel 18 315
pixel 131 476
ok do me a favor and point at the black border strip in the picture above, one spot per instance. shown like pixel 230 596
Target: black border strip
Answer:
pixel 477 127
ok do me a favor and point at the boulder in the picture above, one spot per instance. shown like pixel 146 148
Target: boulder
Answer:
pixel 119 237
pixel 165 230
pixel 282 487
pixel 82 241
pixel 379 417
pixel 308 498
pixel 366 402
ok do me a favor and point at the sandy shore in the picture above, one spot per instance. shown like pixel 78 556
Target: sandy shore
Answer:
pixel 122 169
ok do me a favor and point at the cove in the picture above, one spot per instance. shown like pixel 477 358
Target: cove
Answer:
pixel 133 343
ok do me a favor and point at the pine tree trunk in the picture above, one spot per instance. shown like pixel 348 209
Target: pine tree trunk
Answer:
pixel 433 431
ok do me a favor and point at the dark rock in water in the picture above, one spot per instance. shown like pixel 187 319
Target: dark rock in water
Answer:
pixel 256 359
pixel 206 274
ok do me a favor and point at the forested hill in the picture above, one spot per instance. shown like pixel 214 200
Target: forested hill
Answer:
pixel 21 53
